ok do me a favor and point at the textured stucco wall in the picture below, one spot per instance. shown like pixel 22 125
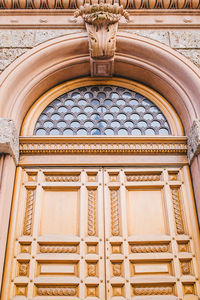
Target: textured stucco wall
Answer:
pixel 14 43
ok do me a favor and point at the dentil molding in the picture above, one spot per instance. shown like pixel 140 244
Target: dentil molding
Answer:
pixel 9 139
pixel 194 140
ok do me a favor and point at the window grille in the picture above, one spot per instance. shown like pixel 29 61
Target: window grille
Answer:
pixel 102 110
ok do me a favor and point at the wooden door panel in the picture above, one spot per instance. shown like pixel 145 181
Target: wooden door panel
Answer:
pixel 148 240
pixel 94 233
pixel 59 236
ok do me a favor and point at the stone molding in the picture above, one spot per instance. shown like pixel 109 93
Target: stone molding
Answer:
pixel 9 139
pixel 128 4
pixel 102 145
pixel 194 141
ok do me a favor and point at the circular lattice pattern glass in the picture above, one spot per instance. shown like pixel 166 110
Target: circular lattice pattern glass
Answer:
pixel 102 110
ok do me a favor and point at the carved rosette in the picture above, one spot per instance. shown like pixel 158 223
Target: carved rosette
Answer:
pixel 193 142
pixel 102 23
pixel 9 138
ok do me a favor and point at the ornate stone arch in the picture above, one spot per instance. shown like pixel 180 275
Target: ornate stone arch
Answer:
pixel 65 58
pixel 137 58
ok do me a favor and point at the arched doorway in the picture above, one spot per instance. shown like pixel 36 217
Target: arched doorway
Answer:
pixel 102 216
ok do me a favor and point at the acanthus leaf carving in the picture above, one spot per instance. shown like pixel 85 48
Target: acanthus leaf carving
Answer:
pixel 101 22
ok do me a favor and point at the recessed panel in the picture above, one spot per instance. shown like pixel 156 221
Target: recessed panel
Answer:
pixel 151 268
pixel 58 269
pixel 59 212
pixel 145 212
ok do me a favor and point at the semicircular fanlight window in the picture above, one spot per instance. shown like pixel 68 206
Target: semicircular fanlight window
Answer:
pixel 102 110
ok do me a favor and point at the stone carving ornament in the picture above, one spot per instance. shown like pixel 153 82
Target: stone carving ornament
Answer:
pixel 101 23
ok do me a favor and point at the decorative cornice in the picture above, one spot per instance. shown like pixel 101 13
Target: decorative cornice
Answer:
pixel 131 145
pixel 194 141
pixel 128 4
pixel 9 139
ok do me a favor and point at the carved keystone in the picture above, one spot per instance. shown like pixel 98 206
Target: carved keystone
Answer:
pixel 193 143
pixel 9 139
pixel 101 22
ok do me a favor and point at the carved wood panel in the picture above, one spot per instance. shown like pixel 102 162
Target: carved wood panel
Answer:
pixel 102 233
pixel 150 255
pixel 58 237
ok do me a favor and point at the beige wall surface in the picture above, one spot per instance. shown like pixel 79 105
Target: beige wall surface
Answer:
pixel 15 42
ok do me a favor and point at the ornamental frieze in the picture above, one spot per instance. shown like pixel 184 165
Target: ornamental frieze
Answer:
pixel 72 4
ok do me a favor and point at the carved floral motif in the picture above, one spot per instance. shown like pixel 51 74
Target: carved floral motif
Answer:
pixel 23 269
pixel 185 267
pixel 101 24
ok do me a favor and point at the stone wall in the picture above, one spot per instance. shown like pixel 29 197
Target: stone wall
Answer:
pixel 14 43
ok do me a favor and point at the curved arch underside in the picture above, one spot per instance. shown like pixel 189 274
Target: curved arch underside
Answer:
pixel 64 58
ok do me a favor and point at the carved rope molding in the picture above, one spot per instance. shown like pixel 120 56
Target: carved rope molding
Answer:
pixel 114 212
pixel 193 142
pixel 9 139
pixel 72 4
pixel 92 212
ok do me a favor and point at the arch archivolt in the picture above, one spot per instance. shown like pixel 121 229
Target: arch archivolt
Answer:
pixel 65 58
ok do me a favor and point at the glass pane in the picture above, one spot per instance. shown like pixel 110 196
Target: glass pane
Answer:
pixel 101 110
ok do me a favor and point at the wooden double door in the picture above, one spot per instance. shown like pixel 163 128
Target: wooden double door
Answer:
pixel 102 233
